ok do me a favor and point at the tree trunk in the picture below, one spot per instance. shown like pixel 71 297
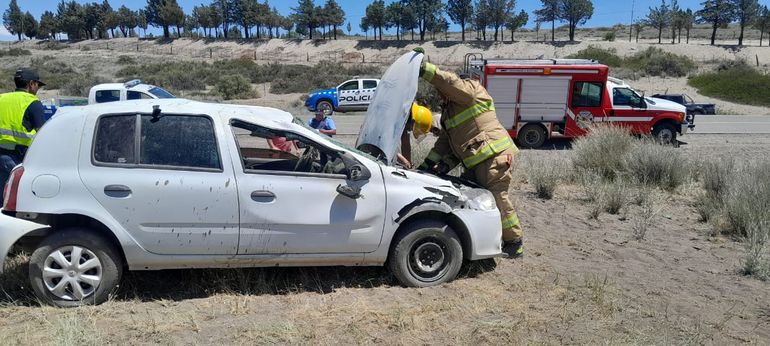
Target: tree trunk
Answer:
pixel 572 31
pixel 673 35
pixel 484 34
pixel 310 29
pixel 496 29
pixel 679 36
pixel 688 36
pixel 166 34
pixel 178 34
pixel 553 30
pixel 740 38
pixel 335 30
pixel 660 34
pixel 714 33
pixel 761 37
pixel 512 40
pixel 462 28
pixel 637 35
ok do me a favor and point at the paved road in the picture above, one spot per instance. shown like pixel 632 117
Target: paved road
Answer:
pixel 349 124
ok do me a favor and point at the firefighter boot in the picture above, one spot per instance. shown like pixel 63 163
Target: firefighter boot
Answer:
pixel 513 248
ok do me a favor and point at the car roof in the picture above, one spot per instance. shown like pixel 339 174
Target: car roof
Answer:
pixel 120 86
pixel 270 117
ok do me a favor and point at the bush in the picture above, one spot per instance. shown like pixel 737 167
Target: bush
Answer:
pixel 747 203
pixel 653 164
pixel 80 84
pixel 602 151
pixel 234 87
pixel 735 82
pixel 609 36
pixel 15 52
pixel 608 57
pixel 613 196
pixel 126 60
pixel 656 62
pixel 756 263
pixel 544 176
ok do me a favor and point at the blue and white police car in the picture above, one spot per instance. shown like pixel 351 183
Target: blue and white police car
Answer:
pixel 352 95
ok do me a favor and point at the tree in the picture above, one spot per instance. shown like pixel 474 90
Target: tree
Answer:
pixel 746 12
pixel 126 20
pixel 30 25
pixel 575 12
pixel 460 12
pixel 638 27
pixel 245 14
pixel 762 23
pixel 105 19
pixel 13 19
pixel 48 25
pixel 350 29
pixel 718 13
pixel 437 25
pixel 375 16
pixel 141 21
pixel 364 25
pixel 224 10
pixel 70 18
pixel 424 11
pixel 675 16
pixel 658 18
pixel 394 16
pixel 305 17
pixel 516 22
pixel 335 15
pixel 549 13
pixel 688 20
pixel 498 13
pixel 164 13
pixel 480 20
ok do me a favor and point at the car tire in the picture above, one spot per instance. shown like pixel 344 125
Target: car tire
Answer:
pixel 425 254
pixel 55 279
pixel 531 136
pixel 664 133
pixel 325 105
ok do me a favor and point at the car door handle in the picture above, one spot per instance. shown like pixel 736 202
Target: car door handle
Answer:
pixel 117 191
pixel 262 196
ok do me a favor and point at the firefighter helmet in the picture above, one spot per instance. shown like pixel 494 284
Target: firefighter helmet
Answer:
pixel 423 120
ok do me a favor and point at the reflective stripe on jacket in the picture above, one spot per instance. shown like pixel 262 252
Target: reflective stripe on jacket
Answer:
pixel 471 132
pixel 13 105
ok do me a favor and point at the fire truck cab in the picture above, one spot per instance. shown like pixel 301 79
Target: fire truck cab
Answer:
pixel 542 98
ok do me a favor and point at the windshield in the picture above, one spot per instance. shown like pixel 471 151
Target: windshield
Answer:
pixel 299 122
pixel 161 93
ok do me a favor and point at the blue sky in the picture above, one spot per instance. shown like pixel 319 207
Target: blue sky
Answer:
pixel 606 12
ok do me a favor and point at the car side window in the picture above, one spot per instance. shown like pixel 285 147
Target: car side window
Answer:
pixel 370 84
pixel 624 97
pixel 103 96
pixel 180 141
pixel 174 141
pixel 352 85
pixel 136 95
pixel 114 139
pixel 587 94
pixel 263 149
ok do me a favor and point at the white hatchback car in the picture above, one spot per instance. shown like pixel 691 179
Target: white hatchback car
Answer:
pixel 162 184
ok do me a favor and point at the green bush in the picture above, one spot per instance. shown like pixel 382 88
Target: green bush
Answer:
pixel 655 62
pixel 14 52
pixel 602 151
pixel 653 164
pixel 608 57
pixel 234 87
pixel 609 36
pixel 735 82
pixel 126 60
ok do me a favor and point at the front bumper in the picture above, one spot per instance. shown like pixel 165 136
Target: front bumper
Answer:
pixel 485 231
pixel 688 125
pixel 11 230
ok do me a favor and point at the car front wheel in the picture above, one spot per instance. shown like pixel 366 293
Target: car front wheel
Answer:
pixel 664 133
pixel 74 267
pixel 426 254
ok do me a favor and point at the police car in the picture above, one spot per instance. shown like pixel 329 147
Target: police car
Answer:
pixel 352 95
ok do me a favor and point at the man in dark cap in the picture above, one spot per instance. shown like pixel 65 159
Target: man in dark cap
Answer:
pixel 21 115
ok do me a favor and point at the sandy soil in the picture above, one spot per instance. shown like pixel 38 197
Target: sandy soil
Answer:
pixel 582 281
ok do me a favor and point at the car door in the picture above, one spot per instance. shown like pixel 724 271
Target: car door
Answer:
pixel 291 208
pixel 349 94
pixel 629 109
pixel 586 106
pixel 165 180
pixel 367 91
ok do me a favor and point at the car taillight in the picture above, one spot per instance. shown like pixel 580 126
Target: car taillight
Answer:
pixel 12 189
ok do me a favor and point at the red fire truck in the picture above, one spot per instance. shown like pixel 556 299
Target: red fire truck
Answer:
pixel 540 98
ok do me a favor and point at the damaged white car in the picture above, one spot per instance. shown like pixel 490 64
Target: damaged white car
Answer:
pixel 163 184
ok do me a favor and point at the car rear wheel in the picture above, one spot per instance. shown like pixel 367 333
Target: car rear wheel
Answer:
pixel 74 267
pixel 325 106
pixel 531 136
pixel 664 133
pixel 426 254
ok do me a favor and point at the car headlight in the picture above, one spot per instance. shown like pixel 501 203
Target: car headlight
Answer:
pixel 479 199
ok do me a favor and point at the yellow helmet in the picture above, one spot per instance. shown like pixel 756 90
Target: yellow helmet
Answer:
pixel 423 120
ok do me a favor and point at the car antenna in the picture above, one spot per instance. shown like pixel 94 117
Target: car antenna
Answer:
pixel 156 115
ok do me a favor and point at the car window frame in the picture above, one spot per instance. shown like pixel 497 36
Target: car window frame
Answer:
pixel 137 145
pixel 326 149
pixel 111 91
pixel 356 82
pixel 600 91
pixel 632 92
pixel 363 84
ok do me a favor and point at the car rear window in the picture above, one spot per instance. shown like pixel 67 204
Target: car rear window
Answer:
pixel 103 96
pixel 178 141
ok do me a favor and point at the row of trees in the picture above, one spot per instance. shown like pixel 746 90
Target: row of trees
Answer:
pixel 717 13
pixel 251 18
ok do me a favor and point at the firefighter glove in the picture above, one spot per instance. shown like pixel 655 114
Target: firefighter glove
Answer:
pixel 419 50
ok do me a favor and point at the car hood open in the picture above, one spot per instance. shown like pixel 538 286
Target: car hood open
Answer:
pixel 388 113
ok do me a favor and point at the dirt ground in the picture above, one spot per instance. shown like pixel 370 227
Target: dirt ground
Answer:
pixel 582 281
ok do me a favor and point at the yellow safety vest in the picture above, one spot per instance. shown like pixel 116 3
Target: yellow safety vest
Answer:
pixel 12 108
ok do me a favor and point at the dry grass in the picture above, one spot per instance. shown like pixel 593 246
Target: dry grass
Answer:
pixel 658 165
pixel 602 151
pixel 545 176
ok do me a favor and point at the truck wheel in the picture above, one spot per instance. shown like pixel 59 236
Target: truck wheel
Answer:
pixel 664 133
pixel 74 267
pixel 428 253
pixel 325 106
pixel 531 136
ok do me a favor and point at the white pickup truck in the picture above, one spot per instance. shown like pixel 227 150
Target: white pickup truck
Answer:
pixel 131 90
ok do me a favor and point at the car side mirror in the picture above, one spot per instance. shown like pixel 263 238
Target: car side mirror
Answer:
pixel 349 191
pixel 356 171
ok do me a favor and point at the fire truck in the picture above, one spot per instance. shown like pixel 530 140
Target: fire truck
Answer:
pixel 537 99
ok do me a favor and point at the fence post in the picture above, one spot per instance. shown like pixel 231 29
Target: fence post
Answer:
pixel 757 56
pixel 137 47
pixel 308 57
pixel 211 53
pixel 363 58
pixel 172 50
pixel 255 54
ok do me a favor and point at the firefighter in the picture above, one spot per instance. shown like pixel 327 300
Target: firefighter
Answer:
pixel 472 136
pixel 21 115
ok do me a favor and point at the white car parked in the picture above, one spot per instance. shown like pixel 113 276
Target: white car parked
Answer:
pixel 131 90
pixel 162 184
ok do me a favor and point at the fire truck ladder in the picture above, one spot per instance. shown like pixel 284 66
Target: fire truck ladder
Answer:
pixel 476 60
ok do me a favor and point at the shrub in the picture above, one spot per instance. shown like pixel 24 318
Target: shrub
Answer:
pixel 653 164
pixel 608 57
pixel 15 52
pixel 756 263
pixel 602 151
pixel 715 176
pixel 80 84
pixel 655 62
pixel 747 204
pixel 735 82
pixel 650 209
pixel 234 87
pixel 609 36
pixel 126 60
pixel 613 196
pixel 544 176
